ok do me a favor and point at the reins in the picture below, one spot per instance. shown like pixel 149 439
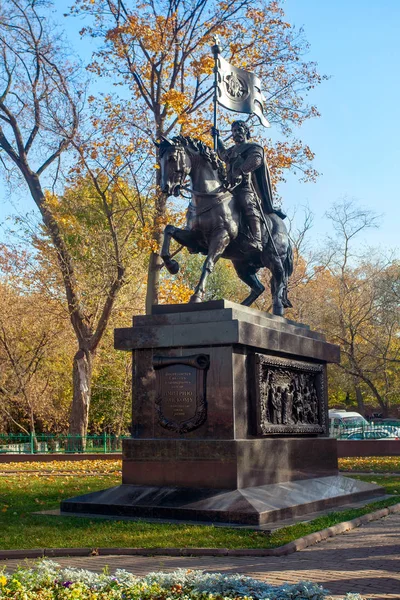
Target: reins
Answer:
pixel 200 211
pixel 221 193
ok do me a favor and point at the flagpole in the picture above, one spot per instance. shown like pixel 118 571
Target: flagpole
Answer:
pixel 216 50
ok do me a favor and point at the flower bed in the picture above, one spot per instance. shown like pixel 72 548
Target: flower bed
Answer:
pixel 47 581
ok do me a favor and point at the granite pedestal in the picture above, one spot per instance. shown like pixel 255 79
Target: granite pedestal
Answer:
pixel 229 420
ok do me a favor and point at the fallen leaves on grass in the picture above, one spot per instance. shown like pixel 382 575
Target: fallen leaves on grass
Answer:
pixel 77 467
pixel 371 464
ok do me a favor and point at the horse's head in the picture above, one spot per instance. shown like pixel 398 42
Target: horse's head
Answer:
pixel 175 166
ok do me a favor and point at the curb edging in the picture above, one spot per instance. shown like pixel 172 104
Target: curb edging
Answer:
pixel 289 548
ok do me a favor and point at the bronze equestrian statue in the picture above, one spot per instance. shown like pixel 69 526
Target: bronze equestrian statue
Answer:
pixel 230 215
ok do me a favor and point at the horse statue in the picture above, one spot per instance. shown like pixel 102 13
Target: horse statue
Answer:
pixel 215 226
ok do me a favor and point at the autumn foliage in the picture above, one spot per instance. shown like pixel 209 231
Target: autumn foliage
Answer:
pixel 92 170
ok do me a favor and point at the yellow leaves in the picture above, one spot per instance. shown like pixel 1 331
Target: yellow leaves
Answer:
pixel 256 15
pixel 310 155
pixel 198 125
pixel 147 243
pixel 381 464
pixel 290 155
pixel 175 101
pixel 234 47
pixel 284 161
pixel 51 200
pixel 151 37
pixel 3 580
pixel 76 467
pixel 172 292
pixel 65 221
pixel 203 65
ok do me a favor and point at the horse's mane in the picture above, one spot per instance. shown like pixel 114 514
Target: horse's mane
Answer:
pixel 198 146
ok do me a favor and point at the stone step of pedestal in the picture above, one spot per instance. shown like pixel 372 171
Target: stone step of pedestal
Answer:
pixel 252 506
pixel 226 464
pixel 221 322
pixel 217 311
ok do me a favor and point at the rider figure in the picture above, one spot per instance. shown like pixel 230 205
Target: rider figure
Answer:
pixel 248 172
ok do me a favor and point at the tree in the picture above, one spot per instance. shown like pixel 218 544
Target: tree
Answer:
pixel 41 106
pixel 111 406
pixel 34 348
pixel 161 52
pixel 353 300
pixel 175 289
pixel 39 112
pixel 102 231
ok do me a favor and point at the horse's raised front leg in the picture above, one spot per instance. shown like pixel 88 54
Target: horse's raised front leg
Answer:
pixel 182 236
pixel 217 244
pixel 171 265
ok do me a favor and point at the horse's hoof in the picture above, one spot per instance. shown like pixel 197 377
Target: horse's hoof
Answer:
pixel 172 266
pixel 195 298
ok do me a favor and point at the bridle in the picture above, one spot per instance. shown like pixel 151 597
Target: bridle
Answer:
pixel 182 171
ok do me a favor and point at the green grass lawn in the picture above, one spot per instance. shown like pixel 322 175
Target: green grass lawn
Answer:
pixel 28 492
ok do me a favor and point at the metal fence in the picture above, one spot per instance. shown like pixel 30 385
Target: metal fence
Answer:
pixel 366 431
pixel 43 443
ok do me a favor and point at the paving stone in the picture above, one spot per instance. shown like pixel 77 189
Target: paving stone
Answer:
pixel 364 560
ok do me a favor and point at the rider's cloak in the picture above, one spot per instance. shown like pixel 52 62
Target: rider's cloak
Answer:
pixel 260 177
pixel 261 180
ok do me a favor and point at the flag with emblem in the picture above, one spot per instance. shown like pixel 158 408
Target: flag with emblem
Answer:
pixel 239 90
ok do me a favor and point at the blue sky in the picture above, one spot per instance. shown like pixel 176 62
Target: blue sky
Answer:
pixel 356 140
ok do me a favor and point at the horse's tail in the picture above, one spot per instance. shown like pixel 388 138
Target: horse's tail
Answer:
pixel 288 269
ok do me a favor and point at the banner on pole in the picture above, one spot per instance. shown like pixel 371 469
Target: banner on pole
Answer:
pixel 240 90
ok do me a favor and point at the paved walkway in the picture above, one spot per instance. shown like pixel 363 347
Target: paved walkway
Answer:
pixel 365 560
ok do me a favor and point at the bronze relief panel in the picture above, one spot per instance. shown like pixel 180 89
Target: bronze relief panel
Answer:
pixel 289 396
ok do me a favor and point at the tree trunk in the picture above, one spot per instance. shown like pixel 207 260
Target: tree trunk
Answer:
pixel 381 400
pixel 82 384
pixel 153 281
pixel 360 400
pixel 33 429
pixel 155 264
pixel 385 411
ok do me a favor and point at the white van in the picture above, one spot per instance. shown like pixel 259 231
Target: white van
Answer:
pixel 343 419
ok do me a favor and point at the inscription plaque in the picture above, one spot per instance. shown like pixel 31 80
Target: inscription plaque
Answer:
pixel 181 391
pixel 289 396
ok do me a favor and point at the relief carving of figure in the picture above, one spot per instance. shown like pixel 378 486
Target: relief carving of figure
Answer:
pixel 298 408
pixel 307 404
pixel 275 402
pixel 287 418
pixel 314 404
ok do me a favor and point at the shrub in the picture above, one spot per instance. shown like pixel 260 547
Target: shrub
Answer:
pixel 47 581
